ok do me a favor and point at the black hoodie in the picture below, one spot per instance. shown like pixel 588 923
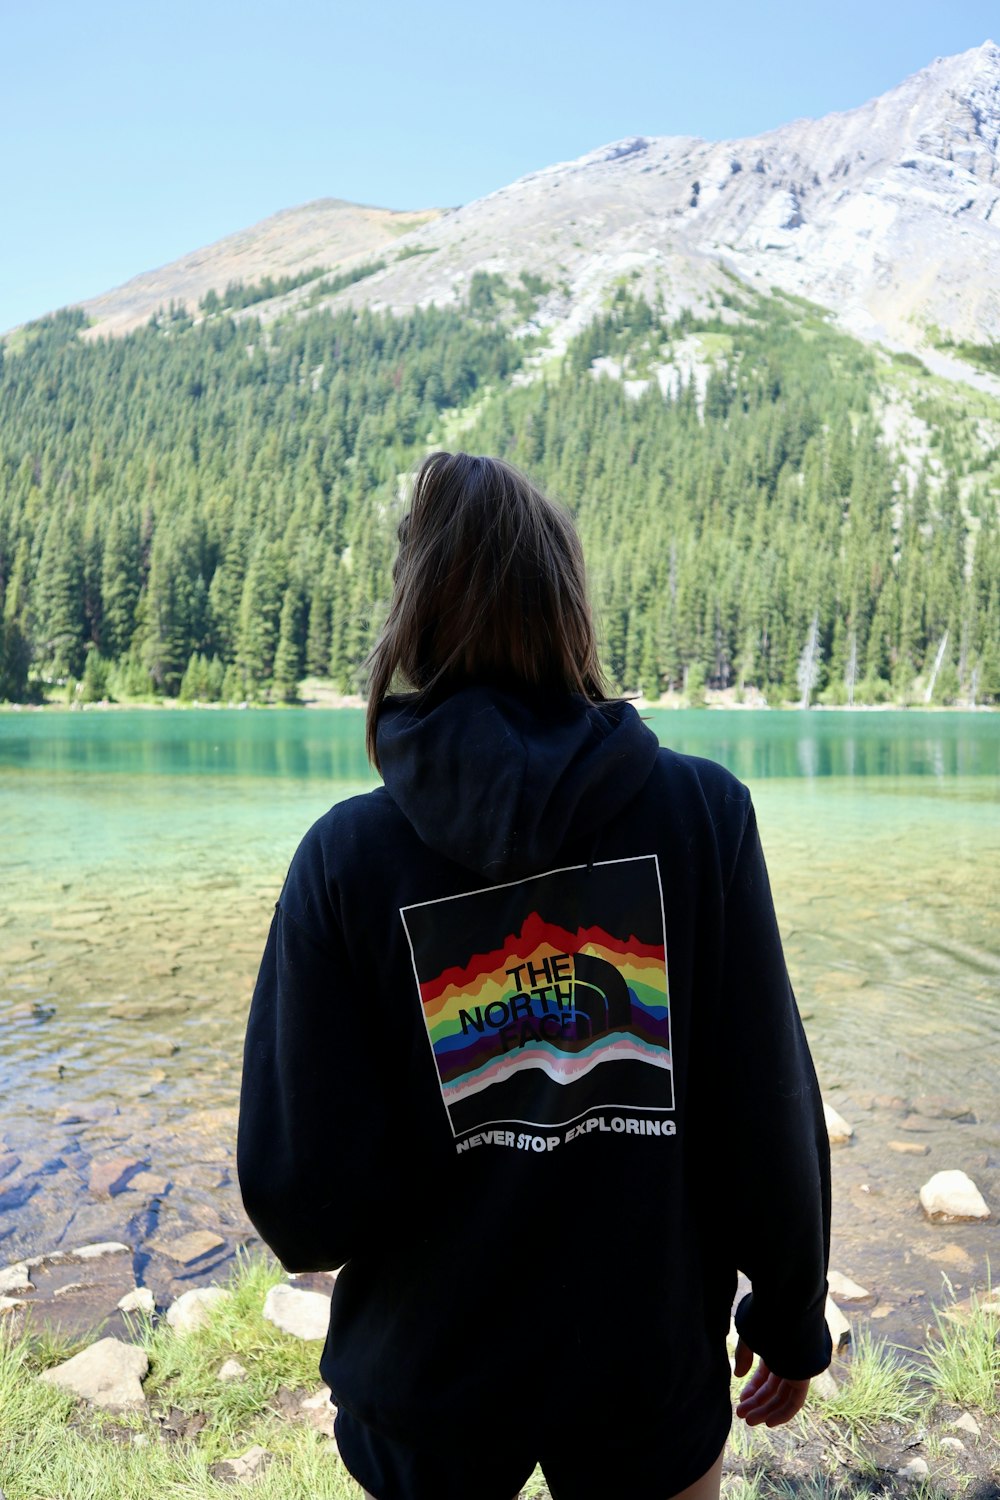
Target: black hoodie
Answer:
pixel 524 1059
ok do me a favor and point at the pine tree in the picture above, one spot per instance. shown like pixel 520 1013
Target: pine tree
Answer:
pixel 121 583
pixel 288 656
pixel 58 598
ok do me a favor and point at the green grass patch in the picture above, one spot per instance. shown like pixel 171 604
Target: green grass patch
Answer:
pixel 715 345
pixel 409 251
pixel 53 1449
pixel 963 1361
pixel 396 230
pixel 876 1389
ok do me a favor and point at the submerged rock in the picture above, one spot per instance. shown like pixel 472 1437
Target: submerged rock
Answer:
pixel 952 1197
pixel 910 1148
pixel 188 1248
pixel 149 1182
pixel 109 1178
pixel 108 1374
pixel 74 1290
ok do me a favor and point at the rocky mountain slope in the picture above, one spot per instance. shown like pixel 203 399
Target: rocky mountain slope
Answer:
pixel 324 234
pixel 888 214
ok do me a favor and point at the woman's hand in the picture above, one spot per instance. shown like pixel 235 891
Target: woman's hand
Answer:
pixel 766 1397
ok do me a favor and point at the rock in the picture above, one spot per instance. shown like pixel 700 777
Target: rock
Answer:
pixel 320 1411
pixel 967 1423
pixel 915 1469
pixel 149 1182
pixel 188 1248
pixel 147 1085
pixel 99 1250
pixel 910 1148
pixel 954 1444
pixel 10 1304
pixel 840 1329
pixel 141 1300
pixel 313 1281
pixel 247 1466
pixel 218 1122
pixel 15 1278
pixel 837 1127
pixel 846 1289
pixel 933 1107
pixel 194 1309
pixel 824 1386
pixel 951 1255
pixel 231 1369
pixel 78 1291
pixel 108 1178
pixel 179 1425
pixel 951 1197
pixel 107 1374
pixel 318 1401
pixel 305 1315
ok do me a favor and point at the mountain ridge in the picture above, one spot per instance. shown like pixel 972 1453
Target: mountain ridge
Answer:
pixel 885 213
pixel 324 234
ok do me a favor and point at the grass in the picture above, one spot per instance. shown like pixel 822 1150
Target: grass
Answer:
pixel 51 1448
pixel 963 1361
pixel 877 1389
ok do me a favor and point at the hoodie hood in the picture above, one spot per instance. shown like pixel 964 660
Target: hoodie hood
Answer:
pixel 499 781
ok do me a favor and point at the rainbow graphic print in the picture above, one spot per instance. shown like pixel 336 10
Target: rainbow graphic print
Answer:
pixel 546 998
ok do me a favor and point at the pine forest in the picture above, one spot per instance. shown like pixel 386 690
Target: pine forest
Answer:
pixel 207 508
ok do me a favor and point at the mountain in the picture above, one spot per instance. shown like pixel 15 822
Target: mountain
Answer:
pixel 886 214
pixel 770 508
pixel 317 236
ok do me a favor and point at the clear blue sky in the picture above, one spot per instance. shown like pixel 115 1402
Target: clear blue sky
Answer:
pixel 133 133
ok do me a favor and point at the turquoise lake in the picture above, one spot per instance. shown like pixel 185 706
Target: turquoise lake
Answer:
pixel 141 853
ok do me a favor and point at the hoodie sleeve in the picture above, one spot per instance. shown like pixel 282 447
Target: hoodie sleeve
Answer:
pixel 781 1187
pixel 311 1113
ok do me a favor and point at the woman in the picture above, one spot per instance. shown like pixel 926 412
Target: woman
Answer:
pixel 523 1057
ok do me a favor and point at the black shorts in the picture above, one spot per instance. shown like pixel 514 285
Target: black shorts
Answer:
pixel 589 1463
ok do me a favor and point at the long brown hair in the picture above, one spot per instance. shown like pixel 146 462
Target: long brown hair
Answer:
pixel 489 586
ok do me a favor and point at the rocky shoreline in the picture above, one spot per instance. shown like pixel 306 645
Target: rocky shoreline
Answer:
pixel 167 1189
pixel 124 1343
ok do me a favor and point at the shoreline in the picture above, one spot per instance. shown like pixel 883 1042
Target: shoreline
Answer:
pixel 159 1391
pixel 714 703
